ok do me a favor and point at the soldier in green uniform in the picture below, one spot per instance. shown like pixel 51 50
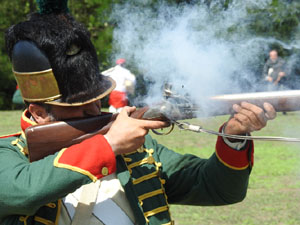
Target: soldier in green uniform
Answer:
pixel 122 177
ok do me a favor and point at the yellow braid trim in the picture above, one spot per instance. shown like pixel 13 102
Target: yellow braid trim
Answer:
pixel 51 205
pixel 149 151
pixel 231 167
pixel 127 159
pixel 13 134
pixel 146 177
pixel 43 221
pixel 23 150
pixel 24 219
pixel 23 135
pixel 150 194
pixel 130 153
pixel 149 160
pixel 155 211
pixel 73 168
pixel 15 142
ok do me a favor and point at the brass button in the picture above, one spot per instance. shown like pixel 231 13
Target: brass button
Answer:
pixel 104 171
pixel 150 160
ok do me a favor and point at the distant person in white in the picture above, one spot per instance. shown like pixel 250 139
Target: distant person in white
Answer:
pixel 125 84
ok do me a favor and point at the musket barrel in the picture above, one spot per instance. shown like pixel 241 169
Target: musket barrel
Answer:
pixel 282 101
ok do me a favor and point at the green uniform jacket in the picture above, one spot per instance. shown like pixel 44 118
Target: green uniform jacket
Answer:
pixel 152 177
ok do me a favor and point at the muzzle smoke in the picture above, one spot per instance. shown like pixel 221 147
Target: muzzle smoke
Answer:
pixel 202 50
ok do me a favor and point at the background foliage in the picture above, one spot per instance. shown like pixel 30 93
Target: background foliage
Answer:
pixel 279 19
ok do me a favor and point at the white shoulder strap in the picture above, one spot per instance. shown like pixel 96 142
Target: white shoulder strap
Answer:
pixel 84 209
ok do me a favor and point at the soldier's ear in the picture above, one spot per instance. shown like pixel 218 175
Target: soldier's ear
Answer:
pixel 39 113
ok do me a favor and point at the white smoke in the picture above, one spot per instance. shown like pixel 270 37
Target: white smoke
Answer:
pixel 204 49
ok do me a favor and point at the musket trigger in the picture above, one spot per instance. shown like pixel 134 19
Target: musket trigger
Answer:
pixel 162 133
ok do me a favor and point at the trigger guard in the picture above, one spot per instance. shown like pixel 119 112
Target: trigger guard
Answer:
pixel 161 133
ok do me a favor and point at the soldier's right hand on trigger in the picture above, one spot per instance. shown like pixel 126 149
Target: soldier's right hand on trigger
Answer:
pixel 128 134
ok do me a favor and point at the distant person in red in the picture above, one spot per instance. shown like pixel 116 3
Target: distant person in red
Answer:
pixel 125 83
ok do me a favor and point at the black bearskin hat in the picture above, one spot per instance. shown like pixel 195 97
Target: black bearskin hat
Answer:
pixel 53 58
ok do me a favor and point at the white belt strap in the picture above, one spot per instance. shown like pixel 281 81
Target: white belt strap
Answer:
pixel 84 209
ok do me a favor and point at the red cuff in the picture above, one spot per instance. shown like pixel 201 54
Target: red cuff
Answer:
pixel 232 158
pixel 92 157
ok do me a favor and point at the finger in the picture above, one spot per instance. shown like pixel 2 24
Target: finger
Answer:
pixel 237 108
pixel 256 111
pixel 251 107
pixel 127 110
pixel 254 114
pixel 270 111
pixel 151 124
pixel 244 122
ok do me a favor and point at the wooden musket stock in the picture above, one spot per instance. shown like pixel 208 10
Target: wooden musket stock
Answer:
pixel 47 139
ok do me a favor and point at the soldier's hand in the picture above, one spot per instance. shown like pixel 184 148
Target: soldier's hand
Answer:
pixel 127 134
pixel 249 117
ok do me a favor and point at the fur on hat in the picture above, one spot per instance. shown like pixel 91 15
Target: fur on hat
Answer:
pixel 69 49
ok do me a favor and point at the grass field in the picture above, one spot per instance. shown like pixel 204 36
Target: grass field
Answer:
pixel 274 190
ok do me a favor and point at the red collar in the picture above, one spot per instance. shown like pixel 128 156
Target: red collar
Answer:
pixel 26 121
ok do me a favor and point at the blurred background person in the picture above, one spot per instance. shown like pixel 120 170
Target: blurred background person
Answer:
pixel 17 99
pixel 125 85
pixel 274 72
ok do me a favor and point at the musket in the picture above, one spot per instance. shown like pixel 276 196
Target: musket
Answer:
pixel 282 101
pixel 43 140
pixel 177 107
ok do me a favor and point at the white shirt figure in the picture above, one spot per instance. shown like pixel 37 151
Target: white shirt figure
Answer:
pixel 125 83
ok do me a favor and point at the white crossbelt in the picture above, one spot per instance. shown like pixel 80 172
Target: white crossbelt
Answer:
pixel 85 206
pixel 110 205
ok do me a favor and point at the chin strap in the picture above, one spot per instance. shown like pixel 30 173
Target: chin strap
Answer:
pixel 198 129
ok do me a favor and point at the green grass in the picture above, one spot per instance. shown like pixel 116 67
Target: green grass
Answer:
pixel 10 121
pixel 274 189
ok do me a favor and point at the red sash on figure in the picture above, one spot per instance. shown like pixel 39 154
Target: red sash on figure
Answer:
pixel 118 99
